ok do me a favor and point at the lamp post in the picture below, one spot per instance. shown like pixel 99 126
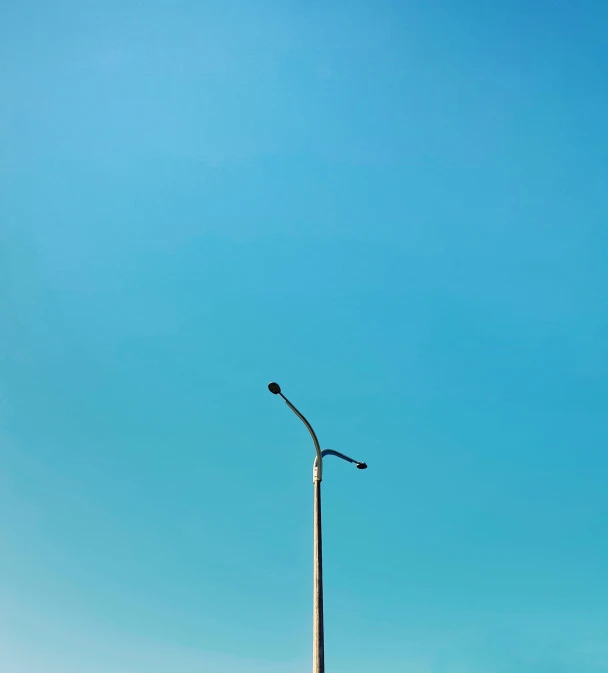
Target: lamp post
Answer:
pixel 318 636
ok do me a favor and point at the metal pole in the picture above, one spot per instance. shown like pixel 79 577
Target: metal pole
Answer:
pixel 318 631
pixel 318 634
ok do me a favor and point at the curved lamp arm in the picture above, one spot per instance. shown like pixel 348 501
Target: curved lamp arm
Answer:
pixel 330 452
pixel 275 388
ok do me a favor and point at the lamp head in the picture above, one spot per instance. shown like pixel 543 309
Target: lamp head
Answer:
pixel 274 388
pixel 361 466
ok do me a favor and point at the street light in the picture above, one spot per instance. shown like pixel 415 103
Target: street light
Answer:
pixel 318 636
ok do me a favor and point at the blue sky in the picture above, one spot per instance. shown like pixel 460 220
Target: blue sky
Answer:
pixel 396 210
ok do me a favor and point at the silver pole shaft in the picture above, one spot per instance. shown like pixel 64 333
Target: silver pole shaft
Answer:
pixel 318 637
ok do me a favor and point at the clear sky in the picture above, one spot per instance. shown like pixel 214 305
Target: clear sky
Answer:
pixel 399 211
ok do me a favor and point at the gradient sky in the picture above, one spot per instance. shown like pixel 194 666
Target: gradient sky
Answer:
pixel 397 210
